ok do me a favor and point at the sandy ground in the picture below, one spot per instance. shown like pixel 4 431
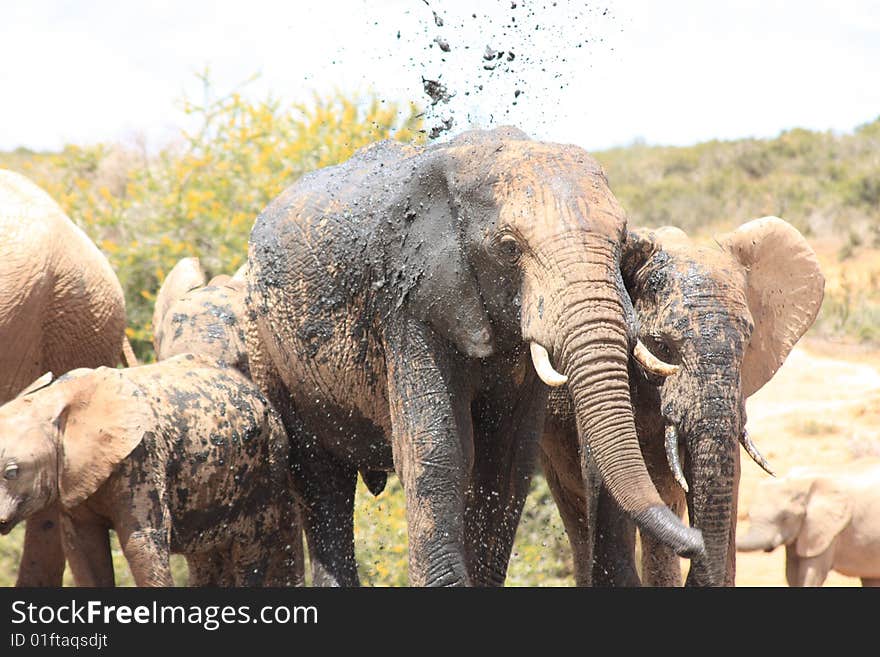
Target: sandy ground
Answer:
pixel 821 408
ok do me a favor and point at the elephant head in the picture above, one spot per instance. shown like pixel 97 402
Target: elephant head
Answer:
pixel 186 275
pixel 803 510
pixel 512 270
pixel 726 318
pixel 60 442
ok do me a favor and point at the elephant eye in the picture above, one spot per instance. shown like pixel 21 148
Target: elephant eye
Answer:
pixel 508 249
pixel 664 348
pixel 11 471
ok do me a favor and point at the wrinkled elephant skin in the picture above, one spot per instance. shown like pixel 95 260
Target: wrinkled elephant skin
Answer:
pixel 61 307
pixel 176 457
pixel 727 318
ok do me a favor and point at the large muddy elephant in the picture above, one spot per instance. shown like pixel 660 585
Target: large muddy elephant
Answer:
pixel 394 304
pixel 725 318
pixel 61 307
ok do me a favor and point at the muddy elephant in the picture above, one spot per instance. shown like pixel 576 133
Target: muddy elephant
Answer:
pixel 725 318
pixel 394 304
pixel 207 318
pixel 61 307
pixel 193 315
pixel 176 457
pixel 827 519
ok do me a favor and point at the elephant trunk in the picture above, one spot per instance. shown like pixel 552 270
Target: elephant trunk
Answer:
pixel 711 472
pixel 758 538
pixel 594 351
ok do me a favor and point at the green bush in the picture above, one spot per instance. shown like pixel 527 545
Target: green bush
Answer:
pixel 200 195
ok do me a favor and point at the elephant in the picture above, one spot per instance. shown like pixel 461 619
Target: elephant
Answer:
pixel 394 303
pixel 176 457
pixel 827 519
pixel 61 307
pixel 191 316
pixel 725 318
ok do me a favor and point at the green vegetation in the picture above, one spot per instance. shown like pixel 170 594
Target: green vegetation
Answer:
pixel 818 181
pixel 199 196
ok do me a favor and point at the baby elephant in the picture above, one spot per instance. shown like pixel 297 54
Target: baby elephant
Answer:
pixel 192 316
pixel 176 457
pixel 827 519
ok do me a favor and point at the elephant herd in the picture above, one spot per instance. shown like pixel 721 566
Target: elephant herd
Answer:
pixel 452 313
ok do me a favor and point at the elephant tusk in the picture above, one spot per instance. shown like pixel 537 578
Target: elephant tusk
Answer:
pixel 541 361
pixel 752 451
pixel 672 457
pixel 651 363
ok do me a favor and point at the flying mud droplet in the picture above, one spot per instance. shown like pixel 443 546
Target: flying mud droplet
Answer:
pixel 442 43
pixel 437 91
pixel 490 54
pixel 437 130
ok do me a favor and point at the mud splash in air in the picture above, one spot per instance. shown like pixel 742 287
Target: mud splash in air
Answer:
pixel 482 63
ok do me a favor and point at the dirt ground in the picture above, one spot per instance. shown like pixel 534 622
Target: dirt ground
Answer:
pixel 821 408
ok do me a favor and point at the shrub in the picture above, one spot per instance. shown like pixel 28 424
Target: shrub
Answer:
pixel 200 195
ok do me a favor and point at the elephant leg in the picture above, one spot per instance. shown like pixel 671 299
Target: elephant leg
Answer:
pixel 792 566
pixel 560 461
pixel 207 569
pixel 328 490
pixel 614 554
pixel 42 556
pixel 268 553
pixel 305 468
pixel 87 546
pixel 660 565
pixel 144 531
pixel 505 447
pixel 807 571
pixel 148 553
pixel 433 449
pixel 287 564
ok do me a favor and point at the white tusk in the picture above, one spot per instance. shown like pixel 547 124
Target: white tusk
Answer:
pixel 672 457
pixel 752 451
pixel 541 361
pixel 651 363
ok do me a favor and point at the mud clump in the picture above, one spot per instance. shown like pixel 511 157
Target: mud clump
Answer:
pixel 444 126
pixel 436 91
pixel 442 44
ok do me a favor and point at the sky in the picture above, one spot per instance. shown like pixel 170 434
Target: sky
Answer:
pixel 595 74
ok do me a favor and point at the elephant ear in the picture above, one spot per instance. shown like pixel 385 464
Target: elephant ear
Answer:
pixel 186 275
pixel 432 270
pixel 101 417
pixel 638 248
pixel 784 292
pixel 240 274
pixel 828 513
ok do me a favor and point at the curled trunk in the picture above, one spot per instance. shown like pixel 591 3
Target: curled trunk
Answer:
pixel 757 538
pixel 594 353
